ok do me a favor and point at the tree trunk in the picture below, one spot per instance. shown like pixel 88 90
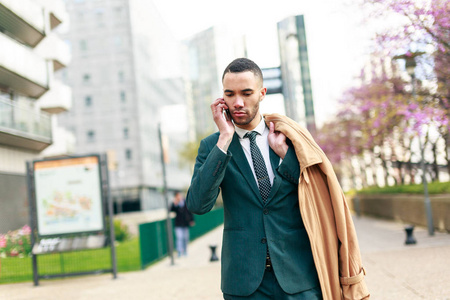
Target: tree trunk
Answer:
pixel 409 168
pixel 385 171
pixel 362 169
pixel 435 163
pixel 447 150
pixel 373 166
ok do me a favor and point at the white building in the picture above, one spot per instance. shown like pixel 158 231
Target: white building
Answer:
pixel 208 54
pixel 125 68
pixel 30 96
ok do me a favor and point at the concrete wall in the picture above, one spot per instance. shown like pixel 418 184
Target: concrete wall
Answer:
pixel 408 208
pixel 14 212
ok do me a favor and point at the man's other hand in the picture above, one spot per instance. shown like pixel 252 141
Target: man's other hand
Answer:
pixel 277 141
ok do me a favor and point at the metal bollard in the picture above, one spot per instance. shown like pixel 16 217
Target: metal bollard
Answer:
pixel 409 235
pixel 213 255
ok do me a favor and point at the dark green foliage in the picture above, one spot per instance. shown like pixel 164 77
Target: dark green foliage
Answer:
pixel 433 188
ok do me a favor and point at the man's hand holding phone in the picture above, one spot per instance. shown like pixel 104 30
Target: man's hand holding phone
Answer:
pixel 226 115
pixel 222 118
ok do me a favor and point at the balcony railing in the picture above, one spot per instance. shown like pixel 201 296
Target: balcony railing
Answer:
pixel 24 127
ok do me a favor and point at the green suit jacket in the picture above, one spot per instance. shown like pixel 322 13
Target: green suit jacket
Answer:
pixel 251 226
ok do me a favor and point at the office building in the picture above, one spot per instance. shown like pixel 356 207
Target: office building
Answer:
pixel 297 91
pixel 125 69
pixel 31 53
pixel 208 53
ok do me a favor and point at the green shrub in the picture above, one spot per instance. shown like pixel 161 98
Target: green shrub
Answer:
pixel 121 231
pixel 433 188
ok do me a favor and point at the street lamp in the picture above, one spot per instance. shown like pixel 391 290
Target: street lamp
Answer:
pixel 166 199
pixel 171 119
pixel 410 65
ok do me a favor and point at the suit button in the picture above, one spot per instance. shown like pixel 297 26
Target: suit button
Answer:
pixel 263 240
pixel 266 211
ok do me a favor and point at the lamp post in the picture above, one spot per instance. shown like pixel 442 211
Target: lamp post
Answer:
pixel 410 65
pixel 168 219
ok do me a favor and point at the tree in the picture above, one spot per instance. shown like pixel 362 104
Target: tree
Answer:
pixel 425 26
pixel 379 119
pixel 385 115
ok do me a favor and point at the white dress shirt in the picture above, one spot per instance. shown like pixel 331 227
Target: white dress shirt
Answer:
pixel 263 144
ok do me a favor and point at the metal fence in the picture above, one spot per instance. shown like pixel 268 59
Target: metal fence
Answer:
pixel 18 267
pixel 153 236
pixel 134 254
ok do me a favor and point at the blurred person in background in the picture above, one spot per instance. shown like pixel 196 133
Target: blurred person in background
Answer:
pixel 183 220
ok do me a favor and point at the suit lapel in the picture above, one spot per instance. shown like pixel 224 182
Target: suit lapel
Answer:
pixel 242 163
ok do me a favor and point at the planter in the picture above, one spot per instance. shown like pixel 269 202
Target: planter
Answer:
pixel 408 208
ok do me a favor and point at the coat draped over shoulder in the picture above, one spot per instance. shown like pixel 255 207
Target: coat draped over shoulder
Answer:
pixel 326 217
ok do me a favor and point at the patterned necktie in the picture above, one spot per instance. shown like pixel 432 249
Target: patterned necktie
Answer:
pixel 259 166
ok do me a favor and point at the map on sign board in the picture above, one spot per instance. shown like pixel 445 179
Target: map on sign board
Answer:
pixel 68 196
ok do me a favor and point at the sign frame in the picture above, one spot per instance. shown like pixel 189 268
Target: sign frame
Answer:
pixel 106 210
pixel 64 162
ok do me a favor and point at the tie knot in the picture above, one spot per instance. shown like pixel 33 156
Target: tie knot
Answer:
pixel 251 135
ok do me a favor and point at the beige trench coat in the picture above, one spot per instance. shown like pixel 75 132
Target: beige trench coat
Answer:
pixel 326 216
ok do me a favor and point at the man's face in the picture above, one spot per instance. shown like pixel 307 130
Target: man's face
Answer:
pixel 242 93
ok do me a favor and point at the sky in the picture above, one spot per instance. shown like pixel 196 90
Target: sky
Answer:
pixel 338 42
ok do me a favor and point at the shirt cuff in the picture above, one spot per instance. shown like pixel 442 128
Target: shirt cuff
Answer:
pixel 222 150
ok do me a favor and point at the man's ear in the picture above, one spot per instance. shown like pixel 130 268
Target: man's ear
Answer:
pixel 263 93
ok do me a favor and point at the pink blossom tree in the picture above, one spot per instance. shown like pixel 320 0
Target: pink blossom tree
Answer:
pixel 425 26
pixel 382 111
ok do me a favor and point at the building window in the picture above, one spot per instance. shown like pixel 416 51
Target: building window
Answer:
pixel 118 42
pixel 118 11
pixel 90 135
pixel 125 132
pixel 123 96
pixel 86 78
pixel 83 45
pixel 88 101
pixel 99 13
pixel 128 154
pixel 121 76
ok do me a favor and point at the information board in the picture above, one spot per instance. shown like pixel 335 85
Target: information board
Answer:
pixel 68 196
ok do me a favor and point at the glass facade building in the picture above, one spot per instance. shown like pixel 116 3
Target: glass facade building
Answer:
pixel 296 77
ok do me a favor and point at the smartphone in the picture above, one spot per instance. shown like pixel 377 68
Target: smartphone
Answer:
pixel 227 115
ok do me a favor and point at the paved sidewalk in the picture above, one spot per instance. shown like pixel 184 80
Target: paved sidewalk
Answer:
pixel 404 272
pixel 394 271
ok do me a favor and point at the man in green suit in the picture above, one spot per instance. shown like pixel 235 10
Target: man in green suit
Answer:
pixel 266 253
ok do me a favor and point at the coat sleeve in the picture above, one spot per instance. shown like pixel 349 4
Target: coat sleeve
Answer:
pixel 209 171
pixel 289 169
pixel 351 269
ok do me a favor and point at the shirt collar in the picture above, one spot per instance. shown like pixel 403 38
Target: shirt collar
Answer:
pixel 259 128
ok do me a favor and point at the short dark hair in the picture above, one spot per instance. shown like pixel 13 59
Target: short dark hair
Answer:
pixel 243 65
